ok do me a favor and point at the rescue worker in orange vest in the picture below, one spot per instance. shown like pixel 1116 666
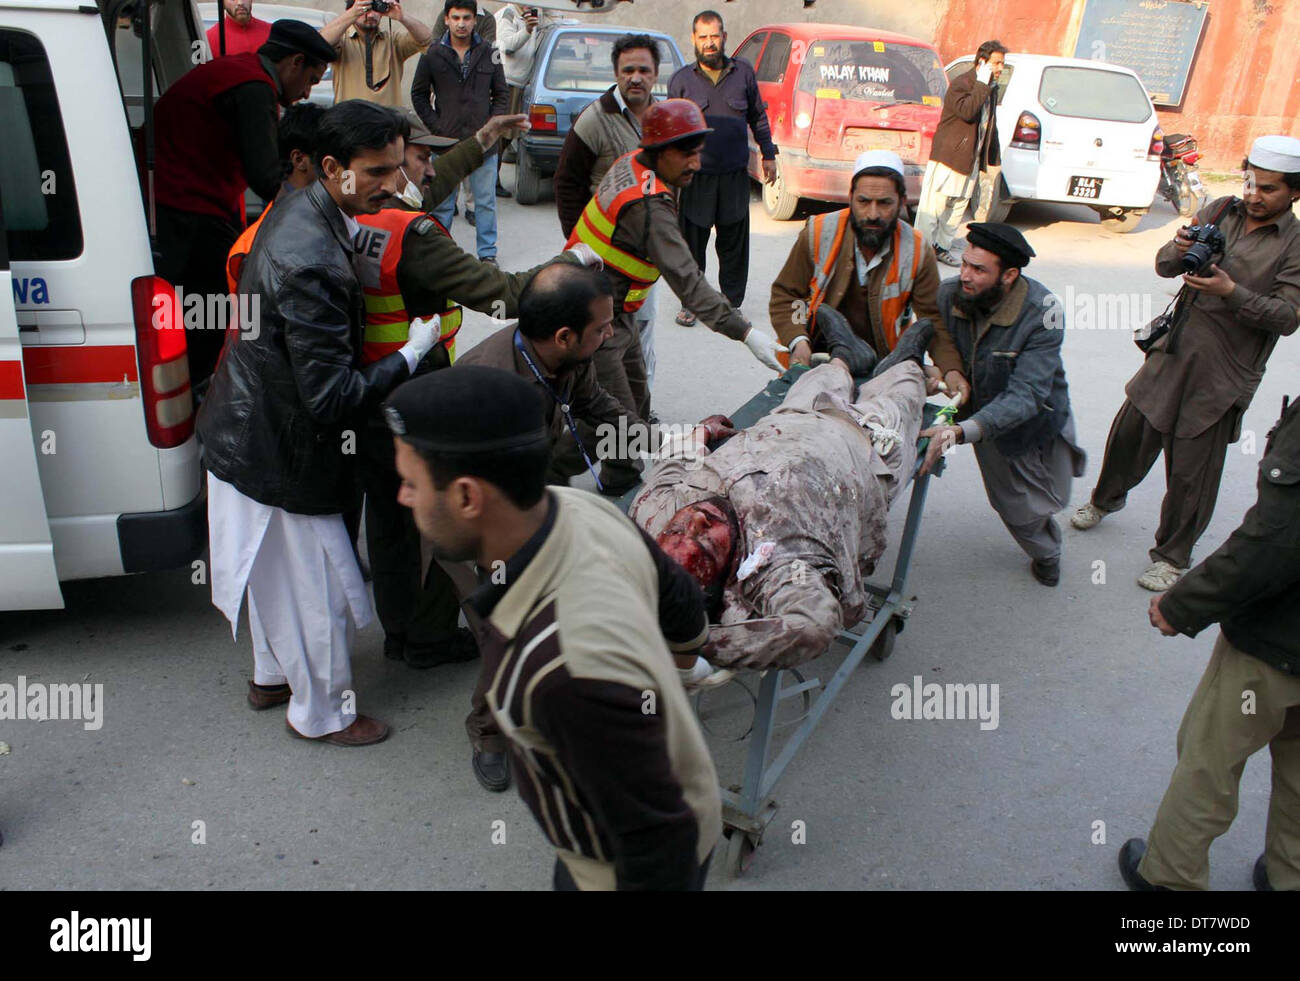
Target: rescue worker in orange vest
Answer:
pixel 872 266
pixel 409 266
pixel 631 223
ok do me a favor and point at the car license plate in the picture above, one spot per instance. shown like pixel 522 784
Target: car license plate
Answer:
pixel 1084 187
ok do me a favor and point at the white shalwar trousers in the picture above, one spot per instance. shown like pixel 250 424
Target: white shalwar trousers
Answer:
pixel 645 319
pixel 944 197
pixel 305 594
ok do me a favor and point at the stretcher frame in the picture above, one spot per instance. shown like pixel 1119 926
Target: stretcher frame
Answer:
pixel 748 810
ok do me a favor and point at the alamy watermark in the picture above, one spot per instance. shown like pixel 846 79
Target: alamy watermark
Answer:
pixel 38 702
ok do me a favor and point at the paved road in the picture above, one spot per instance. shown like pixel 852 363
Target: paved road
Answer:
pixel 1090 695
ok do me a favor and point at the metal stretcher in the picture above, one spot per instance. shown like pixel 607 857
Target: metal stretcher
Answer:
pixel 747 808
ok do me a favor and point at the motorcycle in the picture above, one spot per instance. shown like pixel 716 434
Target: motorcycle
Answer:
pixel 1180 184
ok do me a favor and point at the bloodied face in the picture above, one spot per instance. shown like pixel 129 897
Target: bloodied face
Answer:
pixel 701 538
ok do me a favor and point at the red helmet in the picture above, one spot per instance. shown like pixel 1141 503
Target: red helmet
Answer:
pixel 670 120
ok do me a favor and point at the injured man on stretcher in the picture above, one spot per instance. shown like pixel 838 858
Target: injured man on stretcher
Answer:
pixel 782 523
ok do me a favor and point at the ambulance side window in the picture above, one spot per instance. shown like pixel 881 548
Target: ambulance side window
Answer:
pixel 37 193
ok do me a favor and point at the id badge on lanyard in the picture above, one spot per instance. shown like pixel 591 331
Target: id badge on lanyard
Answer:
pixel 564 407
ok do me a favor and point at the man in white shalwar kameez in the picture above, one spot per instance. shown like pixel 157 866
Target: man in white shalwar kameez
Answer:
pixel 275 426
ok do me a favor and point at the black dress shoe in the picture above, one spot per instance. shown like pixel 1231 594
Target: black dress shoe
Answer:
pixel 1130 854
pixel 502 192
pixel 910 347
pixel 394 646
pixel 1046 571
pixel 492 770
pixel 469 217
pixel 1260 876
pixel 455 648
pixel 842 343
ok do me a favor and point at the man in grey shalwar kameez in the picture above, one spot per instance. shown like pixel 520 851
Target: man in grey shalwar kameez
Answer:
pixel 1008 330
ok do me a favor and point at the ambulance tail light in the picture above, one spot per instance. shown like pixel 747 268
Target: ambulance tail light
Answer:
pixel 543 119
pixel 164 365
pixel 1029 132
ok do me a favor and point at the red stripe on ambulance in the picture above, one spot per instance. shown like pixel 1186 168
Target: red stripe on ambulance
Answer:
pixel 108 364
pixel 11 380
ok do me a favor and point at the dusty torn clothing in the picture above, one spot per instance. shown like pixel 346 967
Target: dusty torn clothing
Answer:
pixel 809 488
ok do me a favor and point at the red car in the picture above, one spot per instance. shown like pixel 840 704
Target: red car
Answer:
pixel 833 91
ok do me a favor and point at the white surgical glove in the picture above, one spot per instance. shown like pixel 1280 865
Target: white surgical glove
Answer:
pixel 586 255
pixel 765 348
pixel 420 339
pixel 983 73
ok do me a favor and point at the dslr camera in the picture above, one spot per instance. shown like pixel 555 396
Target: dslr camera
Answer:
pixel 380 6
pixel 1207 245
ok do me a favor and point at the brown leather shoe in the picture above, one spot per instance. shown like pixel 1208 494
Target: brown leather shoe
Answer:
pixel 364 731
pixel 267 696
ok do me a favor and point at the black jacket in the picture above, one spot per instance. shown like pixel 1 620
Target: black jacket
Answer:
pixel 733 107
pixel 275 421
pixel 1251 584
pixel 1019 396
pixel 454 104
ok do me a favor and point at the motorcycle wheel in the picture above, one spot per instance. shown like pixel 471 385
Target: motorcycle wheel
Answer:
pixel 1184 198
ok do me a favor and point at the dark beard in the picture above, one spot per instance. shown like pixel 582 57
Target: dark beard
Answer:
pixel 714 61
pixel 871 239
pixel 979 304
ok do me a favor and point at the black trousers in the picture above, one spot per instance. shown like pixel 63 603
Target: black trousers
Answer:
pixel 424 611
pixel 562 880
pixel 719 201
pixel 192 253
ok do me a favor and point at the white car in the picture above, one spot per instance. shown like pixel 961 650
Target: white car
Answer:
pixel 1077 132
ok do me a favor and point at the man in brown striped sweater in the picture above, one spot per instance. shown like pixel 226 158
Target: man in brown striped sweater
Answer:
pixel 581 614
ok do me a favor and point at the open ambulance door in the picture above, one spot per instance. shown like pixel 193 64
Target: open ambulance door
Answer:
pixel 28 580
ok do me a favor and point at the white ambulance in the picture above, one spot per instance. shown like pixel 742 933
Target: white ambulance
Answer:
pixel 99 466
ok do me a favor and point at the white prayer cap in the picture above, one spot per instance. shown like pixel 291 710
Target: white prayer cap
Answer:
pixel 1280 153
pixel 878 158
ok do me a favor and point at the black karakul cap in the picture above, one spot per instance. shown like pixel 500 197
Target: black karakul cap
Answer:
pixel 1002 240
pixel 302 38
pixel 468 409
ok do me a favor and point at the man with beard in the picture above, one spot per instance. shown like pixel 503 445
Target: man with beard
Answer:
pixel 1008 331
pixel 782 569
pixel 727 90
pixel 244 32
pixel 880 285
pixel 372 53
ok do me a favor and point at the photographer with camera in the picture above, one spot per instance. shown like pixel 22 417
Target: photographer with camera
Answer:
pixel 1240 265
pixel 372 53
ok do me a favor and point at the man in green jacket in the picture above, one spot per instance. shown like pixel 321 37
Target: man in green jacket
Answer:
pixel 1249 696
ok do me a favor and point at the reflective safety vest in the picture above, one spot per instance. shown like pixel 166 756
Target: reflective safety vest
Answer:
pixel 626 182
pixel 239 251
pixel 379 250
pixel 826 238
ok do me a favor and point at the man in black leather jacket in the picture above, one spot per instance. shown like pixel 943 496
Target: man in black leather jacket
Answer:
pixel 279 431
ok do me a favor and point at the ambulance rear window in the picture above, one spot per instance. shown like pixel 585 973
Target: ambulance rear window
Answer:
pixel 37 195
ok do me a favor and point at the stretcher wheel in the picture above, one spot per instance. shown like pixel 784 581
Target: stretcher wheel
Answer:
pixel 883 646
pixel 741 847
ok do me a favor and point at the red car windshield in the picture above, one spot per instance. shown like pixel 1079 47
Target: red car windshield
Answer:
pixel 874 71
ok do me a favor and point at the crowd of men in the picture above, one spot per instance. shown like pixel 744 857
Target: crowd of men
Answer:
pixel 744 549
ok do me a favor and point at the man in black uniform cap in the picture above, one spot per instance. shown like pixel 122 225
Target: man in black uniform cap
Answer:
pixel 579 611
pixel 1008 330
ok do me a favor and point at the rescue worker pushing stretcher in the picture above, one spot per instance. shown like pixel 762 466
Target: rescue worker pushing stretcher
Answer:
pixel 631 223
pixel 783 572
